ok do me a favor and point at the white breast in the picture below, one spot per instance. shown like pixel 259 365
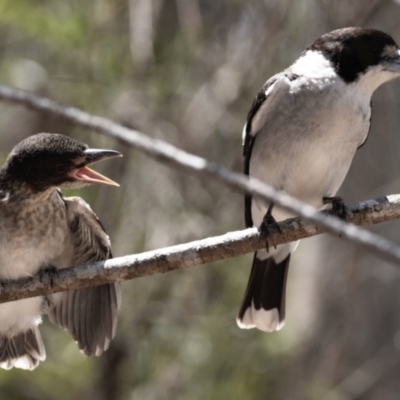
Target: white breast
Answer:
pixel 307 138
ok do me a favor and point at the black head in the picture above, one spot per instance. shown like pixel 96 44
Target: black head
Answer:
pixel 48 160
pixel 352 51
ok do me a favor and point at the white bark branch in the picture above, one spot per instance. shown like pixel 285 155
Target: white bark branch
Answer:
pixel 186 255
pixel 182 160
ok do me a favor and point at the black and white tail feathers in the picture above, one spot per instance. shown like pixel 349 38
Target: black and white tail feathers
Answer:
pixel 23 350
pixel 263 306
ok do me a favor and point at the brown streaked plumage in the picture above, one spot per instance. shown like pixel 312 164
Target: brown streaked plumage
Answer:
pixel 42 229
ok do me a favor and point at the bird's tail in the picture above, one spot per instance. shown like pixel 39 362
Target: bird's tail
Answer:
pixel 23 350
pixel 263 306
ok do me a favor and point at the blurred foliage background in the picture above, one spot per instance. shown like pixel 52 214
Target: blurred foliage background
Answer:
pixel 186 71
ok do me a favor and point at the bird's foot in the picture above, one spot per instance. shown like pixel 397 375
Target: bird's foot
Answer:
pixel 48 274
pixel 268 225
pixel 339 207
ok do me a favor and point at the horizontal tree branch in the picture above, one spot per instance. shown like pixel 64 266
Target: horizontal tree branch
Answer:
pixel 180 159
pixel 186 255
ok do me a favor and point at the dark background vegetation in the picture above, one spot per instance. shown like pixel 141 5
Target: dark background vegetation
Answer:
pixel 186 71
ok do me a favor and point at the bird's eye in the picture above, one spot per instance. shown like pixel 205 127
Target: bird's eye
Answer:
pixel 60 168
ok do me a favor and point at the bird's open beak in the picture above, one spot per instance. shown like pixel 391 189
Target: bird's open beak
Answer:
pixel 394 65
pixel 92 156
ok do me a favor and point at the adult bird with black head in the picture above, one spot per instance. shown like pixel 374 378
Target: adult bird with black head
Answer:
pixel 301 135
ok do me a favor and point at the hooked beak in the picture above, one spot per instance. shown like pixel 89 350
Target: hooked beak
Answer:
pixel 85 174
pixel 394 65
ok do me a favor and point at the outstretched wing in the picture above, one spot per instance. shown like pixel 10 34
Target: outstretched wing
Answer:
pixel 89 314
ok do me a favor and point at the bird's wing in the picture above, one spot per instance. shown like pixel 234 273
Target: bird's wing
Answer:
pixel 255 122
pixel 369 128
pixel 89 314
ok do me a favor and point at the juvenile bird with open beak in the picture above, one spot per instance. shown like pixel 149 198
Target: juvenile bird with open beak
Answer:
pixel 41 229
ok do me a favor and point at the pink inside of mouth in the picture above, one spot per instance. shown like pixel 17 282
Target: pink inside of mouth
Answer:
pixel 85 174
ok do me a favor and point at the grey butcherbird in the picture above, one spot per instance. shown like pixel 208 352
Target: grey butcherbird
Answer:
pixel 39 229
pixel 302 132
